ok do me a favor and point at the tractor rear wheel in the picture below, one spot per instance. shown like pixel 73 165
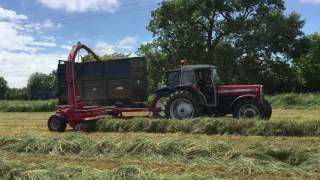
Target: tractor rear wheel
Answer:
pixel 248 109
pixel 268 109
pixel 57 123
pixel 182 105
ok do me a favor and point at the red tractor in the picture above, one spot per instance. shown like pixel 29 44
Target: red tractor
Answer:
pixel 190 91
pixel 193 90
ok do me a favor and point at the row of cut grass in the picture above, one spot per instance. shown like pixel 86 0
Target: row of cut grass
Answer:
pixel 213 126
pixel 17 170
pixel 255 157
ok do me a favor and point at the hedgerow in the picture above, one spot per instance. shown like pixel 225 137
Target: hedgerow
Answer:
pixel 28 106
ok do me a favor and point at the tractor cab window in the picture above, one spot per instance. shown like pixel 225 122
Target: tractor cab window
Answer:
pixel 188 77
pixel 177 78
pixel 174 78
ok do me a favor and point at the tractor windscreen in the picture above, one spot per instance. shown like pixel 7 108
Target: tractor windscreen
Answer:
pixel 177 78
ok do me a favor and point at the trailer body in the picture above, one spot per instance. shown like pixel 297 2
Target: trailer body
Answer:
pixel 121 81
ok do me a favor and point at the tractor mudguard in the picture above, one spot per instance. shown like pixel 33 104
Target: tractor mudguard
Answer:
pixel 169 89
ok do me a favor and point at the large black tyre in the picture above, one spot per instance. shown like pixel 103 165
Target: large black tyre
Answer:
pixel 268 109
pixel 247 109
pixel 182 105
pixel 159 100
pixel 89 126
pixel 57 123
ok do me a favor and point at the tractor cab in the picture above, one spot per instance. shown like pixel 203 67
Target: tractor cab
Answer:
pixel 203 78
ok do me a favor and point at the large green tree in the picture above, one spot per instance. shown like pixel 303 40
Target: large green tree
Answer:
pixel 41 81
pixel 3 87
pixel 251 41
pixel 308 65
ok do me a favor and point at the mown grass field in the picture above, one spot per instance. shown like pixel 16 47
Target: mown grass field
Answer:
pixel 29 151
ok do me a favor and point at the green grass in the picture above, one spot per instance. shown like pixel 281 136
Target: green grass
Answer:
pixel 28 106
pixel 283 101
pixel 192 155
pixel 213 126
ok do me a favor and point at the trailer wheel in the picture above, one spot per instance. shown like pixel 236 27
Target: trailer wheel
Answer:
pixel 57 123
pixel 248 109
pixel 182 105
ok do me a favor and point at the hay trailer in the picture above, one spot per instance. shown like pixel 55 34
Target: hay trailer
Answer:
pixel 77 89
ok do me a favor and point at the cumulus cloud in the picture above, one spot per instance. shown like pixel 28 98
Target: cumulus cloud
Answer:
pixel 6 14
pixel 124 45
pixel 82 5
pixel 20 50
pixel 11 39
pixel 16 67
pixel 310 1
pixel 128 43
pixel 103 48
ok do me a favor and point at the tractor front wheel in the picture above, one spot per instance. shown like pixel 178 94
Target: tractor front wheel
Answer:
pixel 57 123
pixel 159 101
pixel 182 105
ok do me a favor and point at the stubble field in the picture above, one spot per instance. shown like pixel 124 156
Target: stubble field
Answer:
pixel 162 150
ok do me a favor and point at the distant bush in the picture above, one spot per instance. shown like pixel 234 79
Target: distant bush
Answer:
pixel 213 126
pixel 28 106
pixel 294 100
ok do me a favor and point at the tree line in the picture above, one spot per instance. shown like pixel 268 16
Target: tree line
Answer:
pixel 249 41
pixel 39 86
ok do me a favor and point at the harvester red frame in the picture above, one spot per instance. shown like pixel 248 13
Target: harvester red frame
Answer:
pixel 77 113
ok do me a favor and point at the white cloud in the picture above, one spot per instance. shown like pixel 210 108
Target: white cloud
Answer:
pixel 128 43
pixel 103 48
pixel 40 26
pixel 6 14
pixel 124 45
pixel 82 5
pixel 11 39
pixel 17 67
pixel 20 50
pixel 310 1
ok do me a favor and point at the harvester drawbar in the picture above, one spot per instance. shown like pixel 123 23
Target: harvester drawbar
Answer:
pixel 79 114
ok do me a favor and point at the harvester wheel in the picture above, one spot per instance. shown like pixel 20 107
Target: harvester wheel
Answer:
pixel 182 105
pixel 86 127
pixel 57 123
pixel 248 109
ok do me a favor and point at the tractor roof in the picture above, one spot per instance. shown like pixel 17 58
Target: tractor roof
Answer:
pixel 191 67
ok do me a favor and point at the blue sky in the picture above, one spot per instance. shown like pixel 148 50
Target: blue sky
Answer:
pixel 34 34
